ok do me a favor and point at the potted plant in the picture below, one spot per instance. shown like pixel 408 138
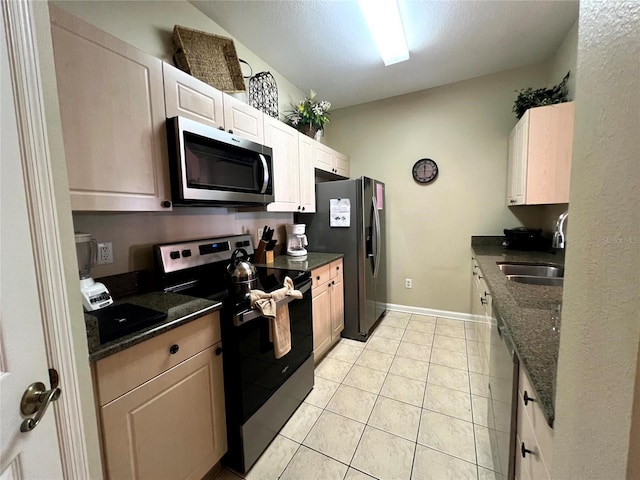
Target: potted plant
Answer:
pixel 309 116
pixel 530 98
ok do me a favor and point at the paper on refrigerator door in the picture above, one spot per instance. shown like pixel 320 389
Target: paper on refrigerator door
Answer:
pixel 340 212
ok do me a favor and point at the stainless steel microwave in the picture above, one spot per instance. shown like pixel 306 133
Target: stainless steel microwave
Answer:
pixel 209 166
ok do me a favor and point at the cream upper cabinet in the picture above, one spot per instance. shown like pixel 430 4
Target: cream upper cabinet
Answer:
pixel 329 160
pixel 540 147
pixel 283 140
pixel 243 120
pixel 186 96
pixel 307 178
pixel 113 119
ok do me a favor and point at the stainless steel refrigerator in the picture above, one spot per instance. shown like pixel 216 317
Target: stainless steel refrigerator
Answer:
pixel 350 219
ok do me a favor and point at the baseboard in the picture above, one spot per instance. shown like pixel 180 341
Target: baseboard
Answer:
pixel 465 317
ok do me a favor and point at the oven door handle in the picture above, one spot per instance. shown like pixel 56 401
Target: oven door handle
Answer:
pixel 242 318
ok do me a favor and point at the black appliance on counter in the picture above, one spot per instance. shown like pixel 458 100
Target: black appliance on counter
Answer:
pixel 261 392
pixel 522 238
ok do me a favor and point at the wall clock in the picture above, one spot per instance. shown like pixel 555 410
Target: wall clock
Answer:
pixel 425 171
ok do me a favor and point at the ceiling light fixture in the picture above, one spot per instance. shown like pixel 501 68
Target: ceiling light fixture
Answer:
pixel 383 20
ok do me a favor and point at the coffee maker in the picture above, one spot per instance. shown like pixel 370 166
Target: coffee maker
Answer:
pixel 296 240
pixel 94 294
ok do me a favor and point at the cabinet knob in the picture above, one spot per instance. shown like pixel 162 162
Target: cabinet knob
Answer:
pixel 166 204
pixel 303 209
pixel 483 301
pixel 525 450
pixel 299 207
pixel 221 128
pixel 219 351
pixel 318 278
pixel 333 283
pixel 527 398
pixel 173 349
pixel 337 268
pixel 486 294
pixel 230 131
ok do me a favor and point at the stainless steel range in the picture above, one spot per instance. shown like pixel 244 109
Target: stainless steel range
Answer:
pixel 261 392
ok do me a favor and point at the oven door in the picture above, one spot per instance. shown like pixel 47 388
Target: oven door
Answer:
pixel 212 166
pixel 252 372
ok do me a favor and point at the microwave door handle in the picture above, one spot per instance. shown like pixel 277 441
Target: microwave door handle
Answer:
pixel 265 169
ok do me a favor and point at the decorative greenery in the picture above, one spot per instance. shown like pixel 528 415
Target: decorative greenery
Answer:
pixel 309 113
pixel 529 98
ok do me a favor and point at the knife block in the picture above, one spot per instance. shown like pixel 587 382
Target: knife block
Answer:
pixel 259 256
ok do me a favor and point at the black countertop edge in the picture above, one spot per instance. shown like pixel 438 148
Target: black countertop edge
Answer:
pixel 526 311
pixel 487 241
pixel 180 309
pixel 312 261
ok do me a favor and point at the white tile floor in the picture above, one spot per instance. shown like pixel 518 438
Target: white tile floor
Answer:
pixel 405 405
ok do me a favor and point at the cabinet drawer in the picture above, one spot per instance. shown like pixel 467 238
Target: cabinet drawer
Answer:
pixel 321 275
pixel 541 429
pixel 336 270
pixel 125 370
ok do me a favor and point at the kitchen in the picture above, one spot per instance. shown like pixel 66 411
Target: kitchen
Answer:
pixel 447 233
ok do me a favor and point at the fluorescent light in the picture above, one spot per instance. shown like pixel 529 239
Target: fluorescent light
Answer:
pixel 383 19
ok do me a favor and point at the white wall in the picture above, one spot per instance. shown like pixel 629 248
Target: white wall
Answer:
pixel 564 61
pixel 600 332
pixel 464 127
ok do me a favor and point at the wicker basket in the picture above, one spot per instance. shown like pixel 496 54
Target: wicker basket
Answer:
pixel 210 58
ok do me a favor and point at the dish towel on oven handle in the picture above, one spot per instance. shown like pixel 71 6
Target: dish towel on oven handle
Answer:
pixel 279 326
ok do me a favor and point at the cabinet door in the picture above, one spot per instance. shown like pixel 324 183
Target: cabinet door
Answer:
pixel 186 96
pixel 286 176
pixel 243 120
pixel 113 119
pixel 321 298
pixel 342 164
pixel 307 174
pixel 517 166
pixel 323 158
pixel 172 426
pixel 550 140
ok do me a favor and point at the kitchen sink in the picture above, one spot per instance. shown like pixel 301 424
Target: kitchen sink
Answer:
pixel 544 270
pixel 535 280
pixel 533 273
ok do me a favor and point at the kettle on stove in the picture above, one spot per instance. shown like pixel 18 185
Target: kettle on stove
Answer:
pixel 244 276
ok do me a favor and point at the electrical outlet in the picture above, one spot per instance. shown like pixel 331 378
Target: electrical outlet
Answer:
pixel 408 283
pixel 105 253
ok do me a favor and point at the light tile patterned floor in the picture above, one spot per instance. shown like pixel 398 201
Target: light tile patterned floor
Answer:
pixel 406 405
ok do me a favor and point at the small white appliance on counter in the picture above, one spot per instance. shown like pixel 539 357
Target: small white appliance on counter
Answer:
pixel 94 294
pixel 296 240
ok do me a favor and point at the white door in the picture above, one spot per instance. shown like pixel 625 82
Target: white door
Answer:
pixel 34 454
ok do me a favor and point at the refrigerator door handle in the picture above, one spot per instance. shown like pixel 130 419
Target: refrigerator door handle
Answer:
pixel 376 216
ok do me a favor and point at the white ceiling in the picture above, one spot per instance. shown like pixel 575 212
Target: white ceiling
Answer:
pixel 326 46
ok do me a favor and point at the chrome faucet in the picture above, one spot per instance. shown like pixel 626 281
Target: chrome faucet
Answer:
pixel 558 235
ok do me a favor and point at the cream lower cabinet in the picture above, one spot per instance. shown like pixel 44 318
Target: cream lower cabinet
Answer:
pixel 534 435
pixel 113 119
pixel 328 307
pixel 171 424
pixel 540 147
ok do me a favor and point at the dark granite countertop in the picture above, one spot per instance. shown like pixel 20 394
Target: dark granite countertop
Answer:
pixel 526 311
pixel 180 309
pixel 312 261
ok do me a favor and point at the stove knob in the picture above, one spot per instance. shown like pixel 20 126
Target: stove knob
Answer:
pixel 173 349
pixel 219 351
pixel 186 253
pixel 174 255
